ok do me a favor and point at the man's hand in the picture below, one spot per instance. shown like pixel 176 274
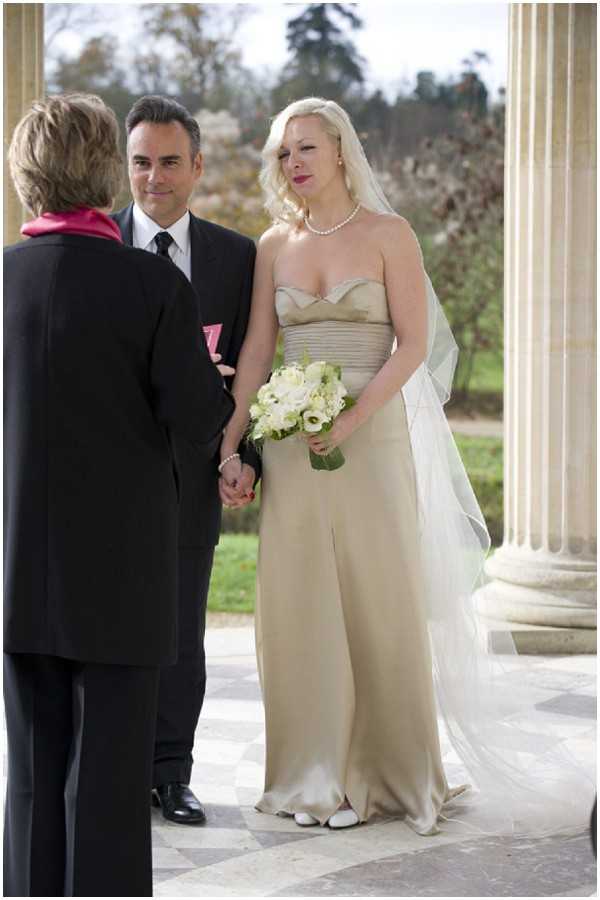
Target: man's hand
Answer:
pixel 224 370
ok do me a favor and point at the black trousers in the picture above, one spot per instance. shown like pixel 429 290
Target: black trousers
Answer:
pixel 80 737
pixel 182 686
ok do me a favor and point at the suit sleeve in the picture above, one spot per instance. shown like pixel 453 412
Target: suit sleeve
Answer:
pixel 189 394
pixel 248 452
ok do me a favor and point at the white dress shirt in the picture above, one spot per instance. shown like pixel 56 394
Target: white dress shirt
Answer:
pixel 145 230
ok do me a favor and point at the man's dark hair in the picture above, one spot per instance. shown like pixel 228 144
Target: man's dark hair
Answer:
pixel 161 111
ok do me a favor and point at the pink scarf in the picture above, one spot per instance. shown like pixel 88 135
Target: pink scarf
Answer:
pixel 78 221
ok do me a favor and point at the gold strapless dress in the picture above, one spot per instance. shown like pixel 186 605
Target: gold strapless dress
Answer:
pixel 342 642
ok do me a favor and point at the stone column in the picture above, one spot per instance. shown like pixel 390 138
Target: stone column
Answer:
pixel 544 575
pixel 23 82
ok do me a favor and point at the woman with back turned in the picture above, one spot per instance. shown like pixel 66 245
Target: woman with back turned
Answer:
pixel 104 355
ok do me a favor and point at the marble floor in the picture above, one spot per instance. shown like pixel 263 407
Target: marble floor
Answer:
pixel 243 853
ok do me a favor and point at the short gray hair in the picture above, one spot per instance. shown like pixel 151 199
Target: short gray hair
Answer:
pixel 64 154
pixel 161 111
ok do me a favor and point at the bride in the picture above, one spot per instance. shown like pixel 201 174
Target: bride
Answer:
pixel 365 574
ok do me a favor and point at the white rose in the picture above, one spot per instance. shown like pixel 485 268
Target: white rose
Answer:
pixel 297 398
pixel 281 418
pixel 281 390
pixel 286 378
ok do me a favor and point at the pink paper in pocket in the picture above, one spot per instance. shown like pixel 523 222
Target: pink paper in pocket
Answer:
pixel 212 334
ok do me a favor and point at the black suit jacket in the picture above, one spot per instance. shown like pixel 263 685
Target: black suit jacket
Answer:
pixel 222 270
pixel 103 358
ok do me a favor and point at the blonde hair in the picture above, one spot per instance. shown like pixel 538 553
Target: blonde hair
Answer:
pixel 282 204
pixel 64 153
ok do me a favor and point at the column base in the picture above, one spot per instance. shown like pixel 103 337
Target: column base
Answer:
pixel 545 601
pixel 537 640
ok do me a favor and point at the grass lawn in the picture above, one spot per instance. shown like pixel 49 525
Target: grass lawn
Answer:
pixel 488 373
pixel 232 587
pixel 482 456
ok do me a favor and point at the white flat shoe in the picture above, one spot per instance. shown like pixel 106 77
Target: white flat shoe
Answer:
pixel 343 818
pixel 305 819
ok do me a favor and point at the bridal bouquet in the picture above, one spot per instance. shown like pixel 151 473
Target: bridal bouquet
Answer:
pixel 301 398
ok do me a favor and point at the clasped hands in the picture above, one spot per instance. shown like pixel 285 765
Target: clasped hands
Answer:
pixel 237 480
pixel 236 484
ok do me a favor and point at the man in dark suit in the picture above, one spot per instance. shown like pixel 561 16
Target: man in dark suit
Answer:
pixel 164 162
pixel 103 358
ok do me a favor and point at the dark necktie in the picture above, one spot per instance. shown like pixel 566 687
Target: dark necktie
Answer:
pixel 163 241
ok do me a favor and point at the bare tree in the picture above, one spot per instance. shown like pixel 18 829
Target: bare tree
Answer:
pixel 62 18
pixel 194 52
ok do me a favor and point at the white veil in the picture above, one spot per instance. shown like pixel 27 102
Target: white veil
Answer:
pixel 516 756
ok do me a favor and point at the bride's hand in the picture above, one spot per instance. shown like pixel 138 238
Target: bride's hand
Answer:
pixel 324 442
pixel 231 471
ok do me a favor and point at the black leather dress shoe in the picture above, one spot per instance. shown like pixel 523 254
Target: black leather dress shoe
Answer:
pixel 179 804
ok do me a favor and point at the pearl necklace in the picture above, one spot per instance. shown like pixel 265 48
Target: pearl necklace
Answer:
pixel 335 227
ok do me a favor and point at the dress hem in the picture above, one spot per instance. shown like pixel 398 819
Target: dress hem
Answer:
pixel 426 831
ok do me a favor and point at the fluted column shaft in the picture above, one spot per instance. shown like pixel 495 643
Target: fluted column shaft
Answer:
pixel 23 83
pixel 545 571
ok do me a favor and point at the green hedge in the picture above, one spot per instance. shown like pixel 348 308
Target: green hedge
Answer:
pixel 483 460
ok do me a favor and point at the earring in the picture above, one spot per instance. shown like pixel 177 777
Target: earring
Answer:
pixel 340 162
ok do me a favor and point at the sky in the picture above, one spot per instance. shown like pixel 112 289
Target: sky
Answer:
pixel 398 39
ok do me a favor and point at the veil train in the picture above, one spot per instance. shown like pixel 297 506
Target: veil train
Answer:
pixel 525 778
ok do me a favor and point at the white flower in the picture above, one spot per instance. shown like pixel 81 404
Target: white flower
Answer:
pixel 313 420
pixel 298 398
pixel 314 372
pixel 280 419
pixel 286 378
pixel 265 394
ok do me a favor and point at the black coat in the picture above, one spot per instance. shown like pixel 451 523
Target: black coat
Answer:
pixel 104 355
pixel 222 270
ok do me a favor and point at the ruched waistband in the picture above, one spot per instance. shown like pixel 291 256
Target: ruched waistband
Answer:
pixel 360 348
pixel 351 345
